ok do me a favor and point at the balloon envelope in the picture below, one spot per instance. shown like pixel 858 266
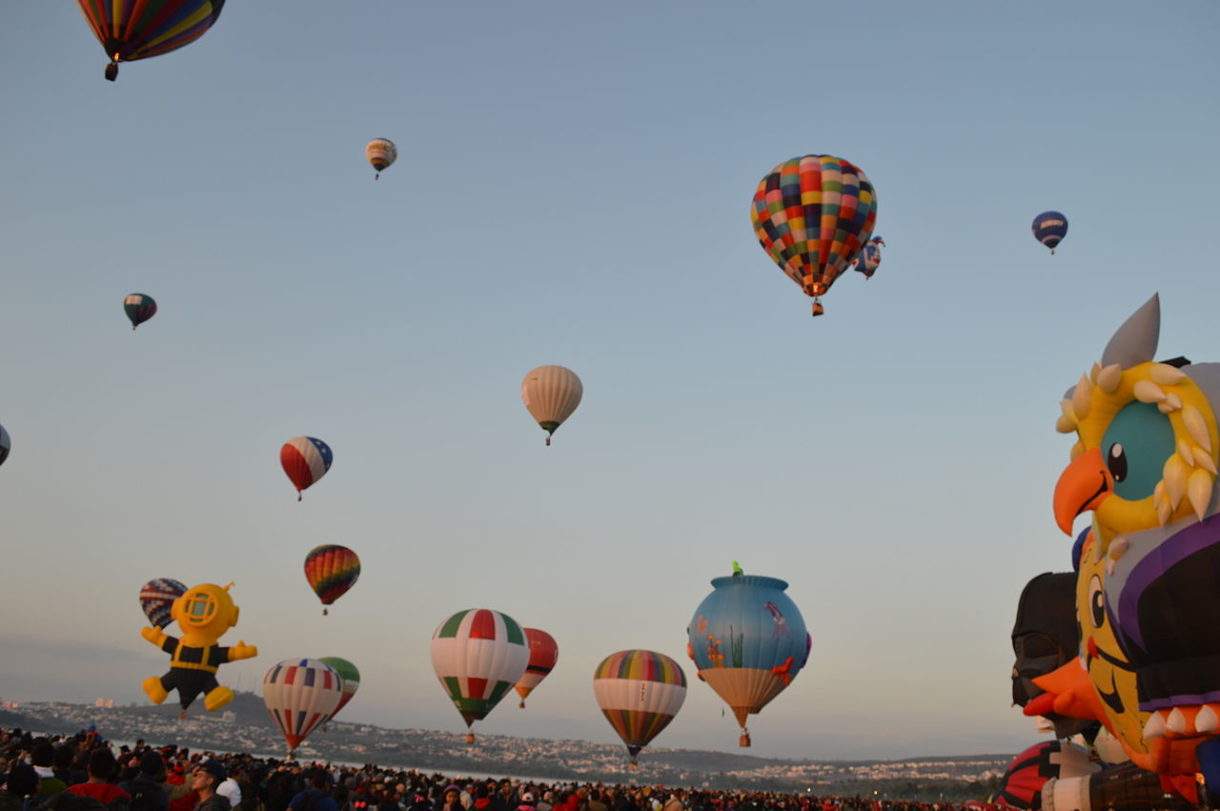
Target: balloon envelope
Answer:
pixel 748 640
pixel 639 692
pixel 331 570
pixel 551 394
pixel 478 655
pixel 139 308
pixel 381 153
pixel 6 444
pixel 300 695
pixel 1050 227
pixel 812 215
pixel 351 679
pixel 305 460
pixel 544 653
pixel 157 599
pixel 1021 785
pixel 137 29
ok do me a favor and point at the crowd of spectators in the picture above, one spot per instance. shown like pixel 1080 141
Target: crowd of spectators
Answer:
pixel 84 772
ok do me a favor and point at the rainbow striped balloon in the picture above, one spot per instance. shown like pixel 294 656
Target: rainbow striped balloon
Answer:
pixel 639 692
pixel 137 29
pixel 331 570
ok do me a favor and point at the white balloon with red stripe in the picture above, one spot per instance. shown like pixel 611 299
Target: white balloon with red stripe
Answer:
pixel 300 695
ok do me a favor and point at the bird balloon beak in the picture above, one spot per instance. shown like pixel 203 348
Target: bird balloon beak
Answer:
pixel 1084 485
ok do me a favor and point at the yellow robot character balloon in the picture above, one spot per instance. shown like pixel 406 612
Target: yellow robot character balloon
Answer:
pixel 203 613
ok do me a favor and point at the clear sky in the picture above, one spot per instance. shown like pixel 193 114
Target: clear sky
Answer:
pixel 572 187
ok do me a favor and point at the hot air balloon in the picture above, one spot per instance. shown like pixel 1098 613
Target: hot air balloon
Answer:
pixel 331 570
pixel 478 655
pixel 157 599
pixel 6 444
pixel 551 393
pixel 351 679
pixel 748 641
pixel 812 215
pixel 139 308
pixel 639 692
pixel 544 653
pixel 869 258
pixel 305 460
pixel 300 695
pixel 1022 784
pixel 381 153
pixel 137 29
pixel 1050 227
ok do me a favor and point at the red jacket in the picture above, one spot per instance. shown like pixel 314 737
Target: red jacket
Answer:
pixel 100 791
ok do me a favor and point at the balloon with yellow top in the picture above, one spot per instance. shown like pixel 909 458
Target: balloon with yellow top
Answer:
pixel 204 613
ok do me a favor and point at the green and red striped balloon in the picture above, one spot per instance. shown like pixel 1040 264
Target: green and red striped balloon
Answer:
pixel 478 655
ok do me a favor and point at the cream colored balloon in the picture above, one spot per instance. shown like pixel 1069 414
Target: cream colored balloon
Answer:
pixel 551 393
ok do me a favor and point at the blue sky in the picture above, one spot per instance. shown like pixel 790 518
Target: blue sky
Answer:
pixel 572 187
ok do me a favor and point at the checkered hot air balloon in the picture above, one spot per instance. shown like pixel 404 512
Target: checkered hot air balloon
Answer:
pixel 1050 227
pixel 139 308
pixel 478 655
pixel 381 153
pixel 157 598
pixel 331 570
pixel 639 692
pixel 305 460
pixel 544 653
pixel 300 695
pixel 137 29
pixel 812 215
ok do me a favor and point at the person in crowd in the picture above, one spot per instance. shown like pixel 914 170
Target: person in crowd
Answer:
pixel 205 779
pixel 317 796
pixel 22 782
pixel 451 800
pixel 145 788
pixel 42 755
pixel 103 768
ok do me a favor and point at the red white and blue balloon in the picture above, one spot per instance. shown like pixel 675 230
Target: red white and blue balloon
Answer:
pixel 300 695
pixel 305 460
pixel 157 598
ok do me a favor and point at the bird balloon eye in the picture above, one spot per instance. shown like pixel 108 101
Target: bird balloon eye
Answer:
pixel 1116 461
pixel 1097 602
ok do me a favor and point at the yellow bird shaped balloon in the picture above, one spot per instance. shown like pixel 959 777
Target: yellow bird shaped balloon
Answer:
pixel 551 393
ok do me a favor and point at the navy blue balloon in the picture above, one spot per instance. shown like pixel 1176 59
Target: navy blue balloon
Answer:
pixel 1050 227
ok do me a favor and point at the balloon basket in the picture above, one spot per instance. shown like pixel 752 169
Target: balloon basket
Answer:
pixel 325 612
pixel 818 309
pixel 112 73
pixel 469 737
pixel 633 766
pixel 522 704
pixel 744 740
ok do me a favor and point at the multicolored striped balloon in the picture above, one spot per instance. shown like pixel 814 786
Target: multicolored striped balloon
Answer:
pixel 1050 227
pixel 812 215
pixel 137 29
pixel 639 692
pixel 157 598
pixel 544 653
pixel 331 570
pixel 139 308
pixel 300 695
pixel 351 679
pixel 748 640
pixel 478 655
pixel 305 460
pixel 381 153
